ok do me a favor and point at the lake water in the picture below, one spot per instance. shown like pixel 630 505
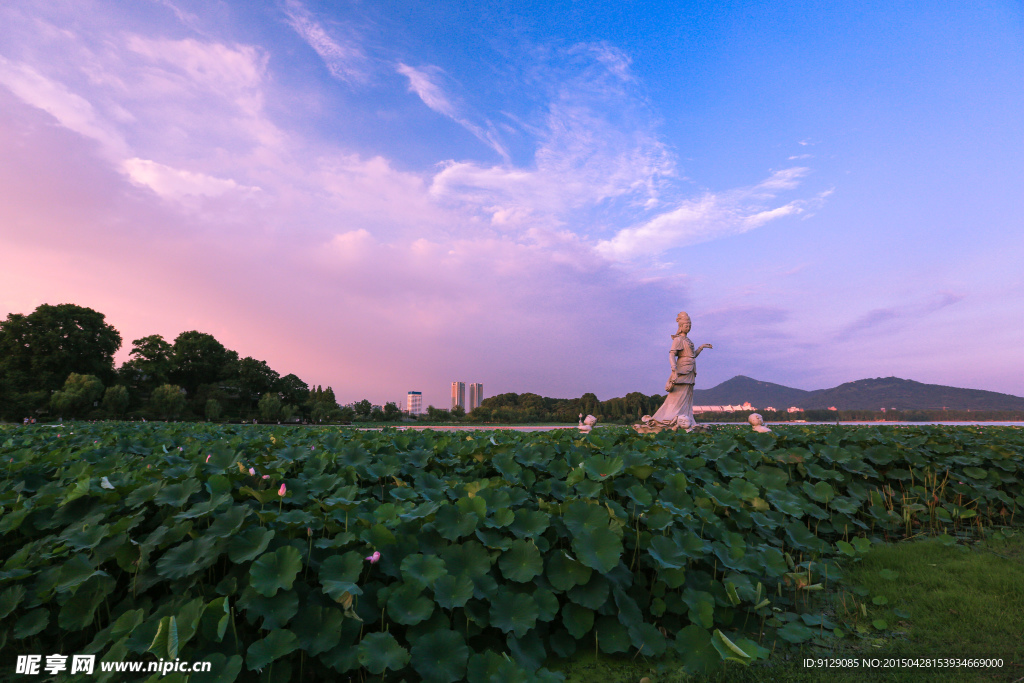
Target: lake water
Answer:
pixel 547 428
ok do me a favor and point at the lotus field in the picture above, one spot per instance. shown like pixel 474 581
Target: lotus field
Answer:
pixel 325 554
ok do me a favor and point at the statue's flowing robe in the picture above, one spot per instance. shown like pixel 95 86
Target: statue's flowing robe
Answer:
pixel 680 400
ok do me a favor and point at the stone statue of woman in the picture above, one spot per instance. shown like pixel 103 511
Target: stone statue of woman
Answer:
pixel 677 410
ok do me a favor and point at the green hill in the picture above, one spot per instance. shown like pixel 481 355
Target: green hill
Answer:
pixel 864 394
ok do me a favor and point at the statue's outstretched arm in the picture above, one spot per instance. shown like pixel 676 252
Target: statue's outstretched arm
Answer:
pixel 702 347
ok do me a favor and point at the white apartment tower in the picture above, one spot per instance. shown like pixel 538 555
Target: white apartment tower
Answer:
pixel 414 402
pixel 476 396
pixel 459 394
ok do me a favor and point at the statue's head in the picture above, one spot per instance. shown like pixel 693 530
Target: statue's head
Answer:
pixel 590 420
pixel 684 422
pixel 684 321
pixel 755 420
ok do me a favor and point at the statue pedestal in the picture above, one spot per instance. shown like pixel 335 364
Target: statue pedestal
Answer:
pixel 649 425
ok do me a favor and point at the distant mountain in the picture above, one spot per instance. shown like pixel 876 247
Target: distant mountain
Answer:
pixel 864 394
pixel 740 389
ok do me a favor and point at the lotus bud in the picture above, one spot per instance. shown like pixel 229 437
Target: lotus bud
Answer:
pixel 281 491
pixel 252 471
pixel 372 559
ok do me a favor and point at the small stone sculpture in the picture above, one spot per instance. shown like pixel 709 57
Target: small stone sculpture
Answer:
pixel 648 425
pixel 677 410
pixel 757 422
pixel 586 424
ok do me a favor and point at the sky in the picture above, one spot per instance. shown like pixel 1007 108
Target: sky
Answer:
pixel 393 195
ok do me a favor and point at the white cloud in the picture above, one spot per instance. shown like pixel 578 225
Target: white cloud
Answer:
pixel 174 183
pixel 711 216
pixel 344 60
pixel 425 83
pixel 71 110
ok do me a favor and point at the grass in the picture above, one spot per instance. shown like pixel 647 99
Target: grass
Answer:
pixel 943 600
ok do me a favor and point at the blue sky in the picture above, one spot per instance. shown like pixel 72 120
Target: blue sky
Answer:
pixel 393 195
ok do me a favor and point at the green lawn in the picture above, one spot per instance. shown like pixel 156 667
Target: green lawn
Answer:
pixel 945 600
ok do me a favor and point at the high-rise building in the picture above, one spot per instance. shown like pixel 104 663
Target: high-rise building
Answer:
pixel 459 394
pixel 476 395
pixel 414 402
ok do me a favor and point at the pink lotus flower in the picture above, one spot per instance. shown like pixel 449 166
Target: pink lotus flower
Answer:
pixel 372 559
pixel 281 491
pixel 208 457
pixel 266 476
pixel 252 471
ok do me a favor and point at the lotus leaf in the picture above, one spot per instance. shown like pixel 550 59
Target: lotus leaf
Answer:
pixel 593 595
pixel 424 568
pixel 276 612
pixel 277 644
pixel 529 523
pixel 339 573
pixel 31 623
pixel 10 598
pixel 318 628
pixel 695 649
pixel 730 651
pixel 514 613
pixel 529 651
pixel 521 562
pixel 249 543
pixel 453 524
pixel 578 620
pixel 407 604
pixel 565 572
pixel 275 571
pixel 795 632
pixel 379 652
pixel 598 548
pixel 490 667
pixel 187 558
pixel 440 656
pixel 612 636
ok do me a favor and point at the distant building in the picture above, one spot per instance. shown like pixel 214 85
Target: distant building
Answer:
pixel 723 409
pixel 833 408
pixel 794 409
pixel 476 396
pixel 414 402
pixel 459 394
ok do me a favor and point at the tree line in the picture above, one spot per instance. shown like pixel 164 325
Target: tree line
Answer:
pixel 59 361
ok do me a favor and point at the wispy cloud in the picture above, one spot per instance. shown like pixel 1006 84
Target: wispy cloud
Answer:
pixel 905 314
pixel 708 217
pixel 69 109
pixel 597 154
pixel 425 82
pixel 174 183
pixel 344 59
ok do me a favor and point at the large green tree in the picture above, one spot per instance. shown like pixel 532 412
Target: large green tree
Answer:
pixel 115 400
pixel 168 401
pixel 77 396
pixel 254 379
pixel 149 364
pixel 39 350
pixel 293 390
pixel 200 359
